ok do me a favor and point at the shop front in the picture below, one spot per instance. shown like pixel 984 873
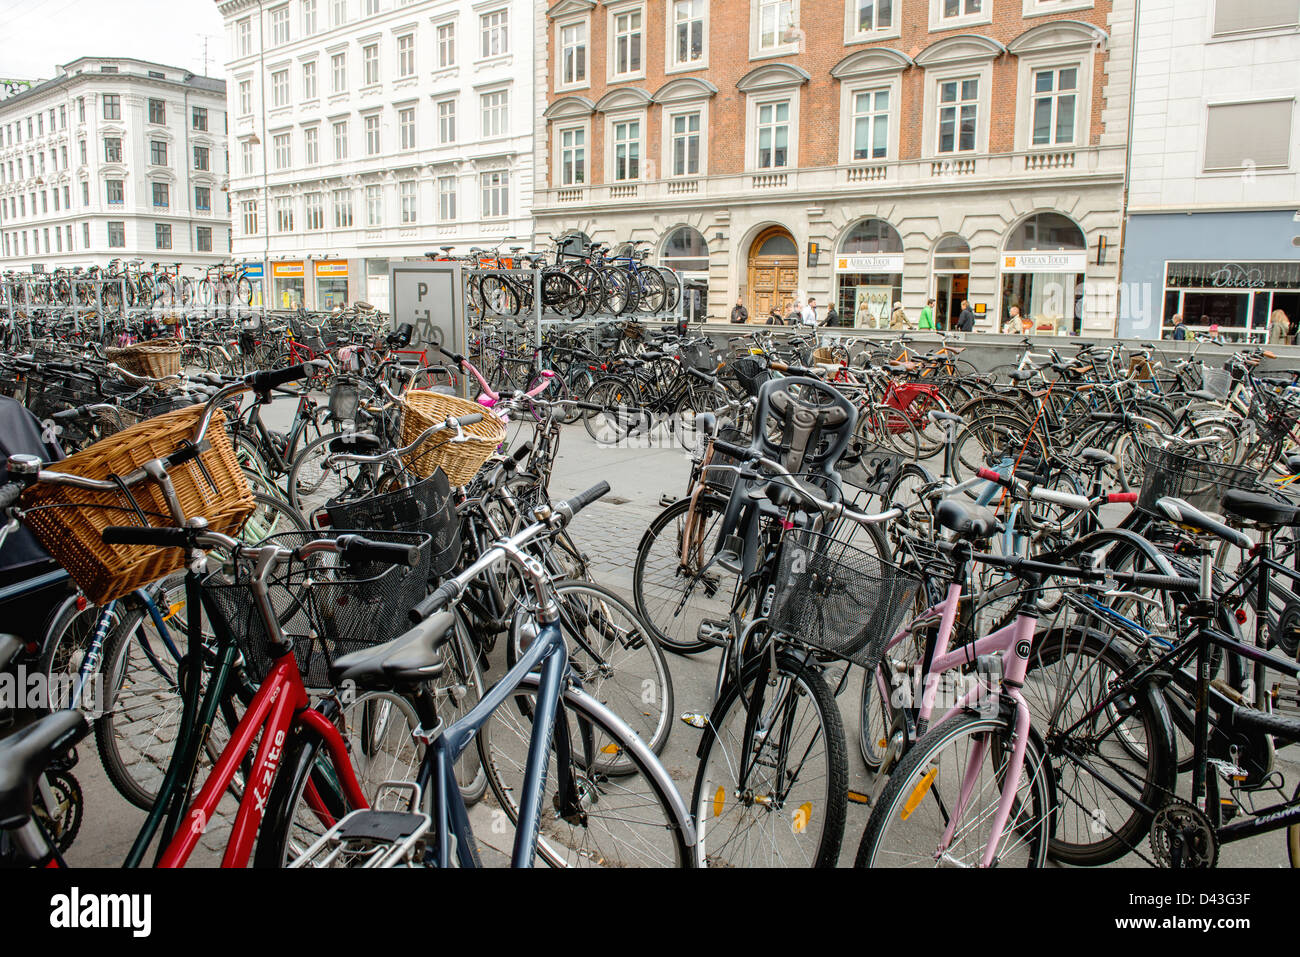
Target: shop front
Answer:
pixel 1238 297
pixel 331 283
pixel 289 285
pixel 1048 289
pixel 255 274
pixel 869 275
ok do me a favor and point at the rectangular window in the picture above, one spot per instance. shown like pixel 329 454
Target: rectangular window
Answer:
pixel 248 215
pixel 199 118
pixel 67 197
pixel 342 201
pixel 85 196
pixel 406 55
pixel 112 108
pixel 81 111
pixel 309 80
pixel 573 156
pixel 311 145
pixel 371 7
pixel 686 144
pixel 45 202
pixel 406 193
pixel 573 53
pixel 308 17
pixel 372 134
pixel 339 12
pixel 245 97
pixel 406 128
pixel 158 152
pixel 446 121
pixel 203 198
pixel 244 36
pixel 282 150
pixel 688 32
pixel 627 43
pixel 114 194
pixel 370 64
pixel 112 149
pixel 283 214
pixel 870 124
pixel 116 235
pixel 314 207
pixel 248 157
pixel 948 9
pixel 63 118
pixel 161 195
pixel 958 115
pixel 1245 16
pixel 495 194
pixel 339 72
pixel 494 28
pixel 157 111
pixel 374 205
pixel 1054 100
pixel 774 135
pixel 85 235
pixel 446 45
pixel 341 140
pixel 495 110
pixel 280 25
pixel 82 145
pixel 203 239
pixel 775 17
pixel 162 236
pixel 874 15
pixel 55 191
pixel 201 158
pixel 446 198
pixel 280 88
pixel 1249 135
pixel 627 150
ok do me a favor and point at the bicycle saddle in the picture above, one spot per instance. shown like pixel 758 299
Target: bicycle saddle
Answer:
pixel 1097 457
pixel 26 753
pixel 966 519
pixel 409 658
pixel 1184 514
pixel 1261 509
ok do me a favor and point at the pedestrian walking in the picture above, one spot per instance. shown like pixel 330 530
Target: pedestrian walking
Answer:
pixel 738 312
pixel 1279 329
pixel 898 320
pixel 927 316
pixel 966 318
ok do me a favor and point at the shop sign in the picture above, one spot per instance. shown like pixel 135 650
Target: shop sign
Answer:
pixel 254 271
pixel 884 263
pixel 1075 262
pixel 286 270
pixel 336 268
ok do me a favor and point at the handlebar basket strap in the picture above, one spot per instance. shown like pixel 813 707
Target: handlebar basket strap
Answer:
pixel 156 358
pixel 69 521
pixel 426 506
pixel 840 599
pixel 422 408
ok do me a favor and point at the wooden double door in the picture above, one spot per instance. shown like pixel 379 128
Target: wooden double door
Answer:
pixel 773 279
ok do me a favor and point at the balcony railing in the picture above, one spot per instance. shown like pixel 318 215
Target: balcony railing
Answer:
pixel 920 175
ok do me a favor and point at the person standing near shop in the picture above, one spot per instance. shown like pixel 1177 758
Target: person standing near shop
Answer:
pixel 898 319
pixel 1179 331
pixel 966 318
pixel 774 317
pixel 809 314
pixel 738 312
pixel 927 316
pixel 832 315
pixel 1279 329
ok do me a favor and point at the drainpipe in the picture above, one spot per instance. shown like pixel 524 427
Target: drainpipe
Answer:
pixel 1128 163
pixel 266 196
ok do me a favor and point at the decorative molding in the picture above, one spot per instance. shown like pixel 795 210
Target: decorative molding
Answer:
pixel 871 62
pixel 623 98
pixel 965 48
pixel 1058 35
pixel 569 106
pixel 772 76
pixel 684 89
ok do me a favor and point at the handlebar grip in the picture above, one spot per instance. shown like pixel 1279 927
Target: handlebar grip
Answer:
pixel 580 501
pixel 464 420
pixel 357 548
pixel 64 415
pixel 590 406
pixel 1170 582
pixel 135 535
pixel 264 381
pixel 441 595
pixel 9 494
pixel 1068 499
pixel 1121 498
pixel 455 357
pixel 992 475
pixel 735 451
pixel 1107 416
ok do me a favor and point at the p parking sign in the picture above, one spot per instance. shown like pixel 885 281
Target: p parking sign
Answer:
pixel 431 297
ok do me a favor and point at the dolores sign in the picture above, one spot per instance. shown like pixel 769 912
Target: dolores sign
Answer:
pixel 1045 262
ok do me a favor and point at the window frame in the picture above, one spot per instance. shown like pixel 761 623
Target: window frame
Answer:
pixel 558 130
pixel 1236 171
pixel 282 142
pixel 780 49
pixel 754 102
pixel 614 12
pixel 444 116
pixel 441 193
pixel 161 230
pixel 445 44
pixel 1043 8
pixel 372 122
pixel 482 176
pixel 311 144
pixel 1031 64
pixel 936 75
pixel 671 64
pixel 408 189
pixel 500 29
pixel 402 55
pixel 503 91
pixel 278 17
pixel 405 113
pixel 941 24
pixel 849 90
pixel 560 26
pixel 281 96
pixel 668 115
pixel 854 35
pixel 367 61
pixel 310 75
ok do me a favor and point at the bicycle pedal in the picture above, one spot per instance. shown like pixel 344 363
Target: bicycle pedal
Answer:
pixel 713 632
pixel 695 719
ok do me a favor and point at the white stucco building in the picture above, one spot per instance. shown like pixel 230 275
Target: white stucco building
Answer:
pixel 114 158
pixel 364 131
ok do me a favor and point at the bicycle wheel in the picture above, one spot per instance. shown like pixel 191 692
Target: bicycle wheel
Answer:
pixel 633 819
pixel 923 801
pixel 772 785
pixel 64 646
pixel 615 657
pixel 888 429
pixel 676 595
pixel 652 291
pixel 270 516
pixel 695 401
pixel 311 483
pixel 620 414
pixel 1127 744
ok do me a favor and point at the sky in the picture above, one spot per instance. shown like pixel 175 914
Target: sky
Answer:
pixel 40 35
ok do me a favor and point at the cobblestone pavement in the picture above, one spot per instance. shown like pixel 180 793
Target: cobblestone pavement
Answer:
pixel 608 532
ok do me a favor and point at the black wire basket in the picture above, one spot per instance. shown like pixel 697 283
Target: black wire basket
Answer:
pixel 427 506
pixel 750 372
pixel 344 399
pixel 719 480
pixel 329 608
pixel 838 598
pixel 1200 483
pixel 698 356
pixel 1275 414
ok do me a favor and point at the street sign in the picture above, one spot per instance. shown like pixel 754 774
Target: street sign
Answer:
pixel 431 297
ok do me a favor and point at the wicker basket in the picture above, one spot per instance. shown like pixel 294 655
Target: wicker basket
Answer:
pixel 156 358
pixel 461 461
pixel 69 521
pixel 825 356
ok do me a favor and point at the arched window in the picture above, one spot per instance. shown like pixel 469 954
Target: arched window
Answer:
pixel 951 252
pixel 778 244
pixel 686 250
pixel 872 236
pixel 1046 231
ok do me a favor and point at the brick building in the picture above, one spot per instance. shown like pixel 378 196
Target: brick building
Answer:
pixel 865 151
